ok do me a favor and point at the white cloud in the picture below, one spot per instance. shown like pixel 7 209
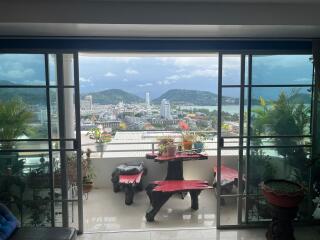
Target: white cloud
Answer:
pixel 20 67
pixel 205 72
pixel 110 74
pixel 124 59
pixel 210 73
pixel 34 82
pixel 191 67
pixel 281 61
pixel 145 85
pixel 166 82
pixel 173 77
pixel 307 80
pixel 186 62
pixel 17 72
pixel 131 71
pixel 125 80
pixel 83 79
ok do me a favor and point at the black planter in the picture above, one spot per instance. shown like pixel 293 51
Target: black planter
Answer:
pixel 281 226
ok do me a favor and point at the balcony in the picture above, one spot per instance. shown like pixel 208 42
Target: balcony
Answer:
pixel 266 132
pixel 131 146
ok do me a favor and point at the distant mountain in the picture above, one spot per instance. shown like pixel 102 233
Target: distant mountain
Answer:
pixel 33 96
pixel 304 98
pixel 114 96
pixel 4 82
pixel 194 97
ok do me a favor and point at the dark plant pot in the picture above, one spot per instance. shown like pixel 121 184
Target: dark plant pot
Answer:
pixel 282 198
pixel 187 145
pixel 87 187
pixel 198 146
pixel 100 147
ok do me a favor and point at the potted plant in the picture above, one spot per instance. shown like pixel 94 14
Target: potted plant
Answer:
pixel 100 138
pixel 14 119
pixel 282 193
pixel 198 144
pixel 187 141
pixel 88 173
pixel 283 197
pixel 167 148
pixel 171 150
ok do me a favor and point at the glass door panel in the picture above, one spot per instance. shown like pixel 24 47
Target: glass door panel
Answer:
pixel 273 133
pixel 33 139
pixel 315 213
pixel 230 157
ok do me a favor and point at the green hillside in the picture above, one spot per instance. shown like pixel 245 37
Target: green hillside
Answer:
pixel 32 96
pixel 114 96
pixel 193 97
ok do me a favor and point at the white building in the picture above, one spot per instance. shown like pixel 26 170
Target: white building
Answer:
pixel 147 99
pixel 165 109
pixel 86 103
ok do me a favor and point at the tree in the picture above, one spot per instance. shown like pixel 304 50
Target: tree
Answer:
pixel 14 119
pixel 283 117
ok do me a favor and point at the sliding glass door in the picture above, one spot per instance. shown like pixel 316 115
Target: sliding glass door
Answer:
pixel 40 154
pixel 272 136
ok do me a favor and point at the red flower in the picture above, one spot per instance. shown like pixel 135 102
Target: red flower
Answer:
pixel 183 125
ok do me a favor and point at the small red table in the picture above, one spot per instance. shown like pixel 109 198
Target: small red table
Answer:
pixel 160 191
pixel 175 163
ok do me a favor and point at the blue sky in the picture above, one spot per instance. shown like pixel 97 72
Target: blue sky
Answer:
pixel 153 74
pixel 159 74
pixel 139 74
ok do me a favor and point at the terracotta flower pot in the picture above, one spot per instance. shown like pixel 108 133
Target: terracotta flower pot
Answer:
pixel 87 187
pixel 289 196
pixel 187 145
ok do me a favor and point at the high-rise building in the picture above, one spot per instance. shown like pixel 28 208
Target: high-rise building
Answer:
pixel 86 103
pixel 165 109
pixel 147 99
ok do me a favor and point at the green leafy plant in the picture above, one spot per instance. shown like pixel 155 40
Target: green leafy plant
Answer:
pixel 14 119
pixel 285 116
pixel 164 143
pixel 99 136
pixel 87 169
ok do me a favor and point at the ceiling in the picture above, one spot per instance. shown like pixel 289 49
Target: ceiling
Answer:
pixel 160 18
pixel 217 1
pixel 144 30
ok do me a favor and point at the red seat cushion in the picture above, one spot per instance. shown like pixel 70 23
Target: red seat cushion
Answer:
pixel 227 173
pixel 130 179
pixel 180 185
